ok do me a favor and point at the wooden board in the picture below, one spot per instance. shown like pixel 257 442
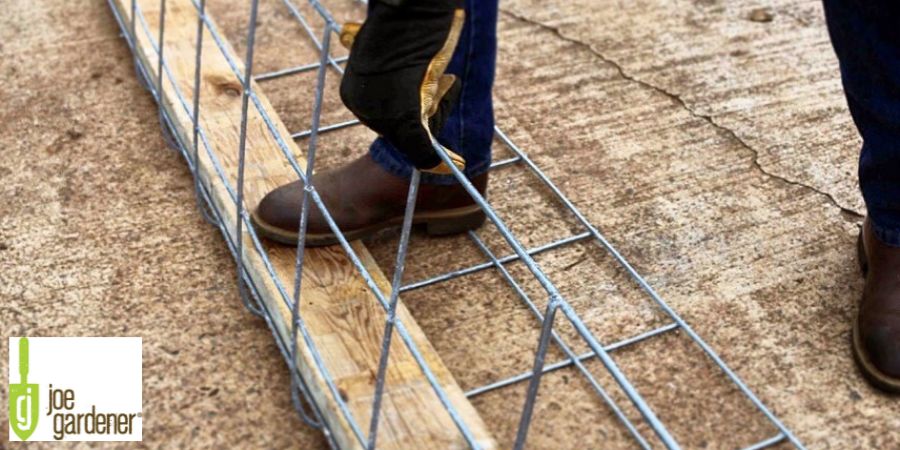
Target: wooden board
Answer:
pixel 344 318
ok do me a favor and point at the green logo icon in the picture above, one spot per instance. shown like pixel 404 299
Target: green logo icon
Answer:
pixel 23 398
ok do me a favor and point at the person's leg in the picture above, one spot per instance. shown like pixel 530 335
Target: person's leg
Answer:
pixel 866 39
pixel 469 130
pixel 369 193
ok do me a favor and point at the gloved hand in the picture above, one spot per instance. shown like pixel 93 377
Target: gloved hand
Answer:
pixel 395 81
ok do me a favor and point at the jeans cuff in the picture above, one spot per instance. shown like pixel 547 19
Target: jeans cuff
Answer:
pixel 389 159
pixel 887 236
pixel 396 164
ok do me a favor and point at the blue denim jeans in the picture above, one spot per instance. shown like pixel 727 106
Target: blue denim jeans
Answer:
pixel 469 130
pixel 866 38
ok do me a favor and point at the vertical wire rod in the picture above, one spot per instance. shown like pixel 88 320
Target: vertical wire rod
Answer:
pixel 247 82
pixel 144 74
pixel 555 302
pixel 159 64
pixel 304 208
pixel 195 117
pixel 133 24
pixel 572 358
pixel 233 64
pixel 649 290
pixel 537 370
pixel 392 311
pixel 312 418
pixel 298 389
pixel 165 125
pixel 205 196
pixel 224 48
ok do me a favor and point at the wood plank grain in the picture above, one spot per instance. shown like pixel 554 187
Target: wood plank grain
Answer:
pixel 343 317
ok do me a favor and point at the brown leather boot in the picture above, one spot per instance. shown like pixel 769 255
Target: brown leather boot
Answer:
pixel 363 198
pixel 876 331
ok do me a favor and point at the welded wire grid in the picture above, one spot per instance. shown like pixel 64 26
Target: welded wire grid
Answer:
pixel 309 411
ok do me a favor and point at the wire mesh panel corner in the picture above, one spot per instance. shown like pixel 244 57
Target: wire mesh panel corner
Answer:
pixel 171 57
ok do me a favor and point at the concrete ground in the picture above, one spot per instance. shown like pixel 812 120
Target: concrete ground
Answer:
pixel 709 140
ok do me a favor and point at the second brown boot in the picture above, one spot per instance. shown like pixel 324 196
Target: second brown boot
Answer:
pixel 876 331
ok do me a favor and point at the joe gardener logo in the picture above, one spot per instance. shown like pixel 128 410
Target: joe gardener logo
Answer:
pixel 75 389
pixel 23 398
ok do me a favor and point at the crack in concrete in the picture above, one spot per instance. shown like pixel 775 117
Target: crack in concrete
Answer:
pixel 849 214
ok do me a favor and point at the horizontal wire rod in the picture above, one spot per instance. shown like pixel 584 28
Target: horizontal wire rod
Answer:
pixel 568 362
pixel 489 264
pixel 326 128
pixel 295 70
pixel 505 162
pixel 649 289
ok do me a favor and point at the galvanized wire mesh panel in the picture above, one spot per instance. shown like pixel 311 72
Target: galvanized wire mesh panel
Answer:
pixel 135 24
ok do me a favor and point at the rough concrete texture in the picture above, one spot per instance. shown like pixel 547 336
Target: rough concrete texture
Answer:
pixel 714 150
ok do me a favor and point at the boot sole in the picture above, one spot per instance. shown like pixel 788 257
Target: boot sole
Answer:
pixel 875 376
pixel 436 223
